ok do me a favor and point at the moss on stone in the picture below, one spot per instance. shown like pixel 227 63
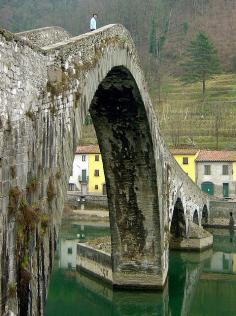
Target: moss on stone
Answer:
pixel 58 175
pixel 12 290
pixel 14 196
pixel 51 192
pixel 32 185
pixel 30 115
pixel 13 171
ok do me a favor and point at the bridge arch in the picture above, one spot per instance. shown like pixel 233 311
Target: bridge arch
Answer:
pixel 126 145
pixel 195 217
pixel 178 222
pixel 205 215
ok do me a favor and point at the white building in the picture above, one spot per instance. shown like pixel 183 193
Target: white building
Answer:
pixel 80 170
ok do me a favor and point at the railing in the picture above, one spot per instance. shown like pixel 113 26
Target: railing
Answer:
pixel 83 179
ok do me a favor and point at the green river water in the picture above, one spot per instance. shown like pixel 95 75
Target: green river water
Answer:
pixel 198 284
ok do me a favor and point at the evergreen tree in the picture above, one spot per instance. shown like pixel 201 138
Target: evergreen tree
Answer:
pixel 202 61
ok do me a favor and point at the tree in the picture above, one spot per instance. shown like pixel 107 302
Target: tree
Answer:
pixel 158 36
pixel 202 61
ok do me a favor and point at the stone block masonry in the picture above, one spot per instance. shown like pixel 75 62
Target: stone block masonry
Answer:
pixel 47 88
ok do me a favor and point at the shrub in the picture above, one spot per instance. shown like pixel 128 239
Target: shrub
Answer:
pixel 12 290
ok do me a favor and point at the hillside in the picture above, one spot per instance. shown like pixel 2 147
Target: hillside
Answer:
pixel 178 20
pixel 188 118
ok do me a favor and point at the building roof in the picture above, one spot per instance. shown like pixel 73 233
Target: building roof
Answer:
pixel 216 155
pixel 184 151
pixel 88 149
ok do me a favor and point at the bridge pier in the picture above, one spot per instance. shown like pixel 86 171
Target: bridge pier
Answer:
pixel 198 239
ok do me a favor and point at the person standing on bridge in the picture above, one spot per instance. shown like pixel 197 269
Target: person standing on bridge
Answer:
pixel 93 22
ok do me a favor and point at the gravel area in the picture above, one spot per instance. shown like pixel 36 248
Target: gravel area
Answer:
pixel 101 243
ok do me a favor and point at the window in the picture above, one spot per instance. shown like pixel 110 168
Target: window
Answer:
pixel 96 157
pixel 225 169
pixel 71 187
pixel 96 187
pixel 69 251
pixel 96 173
pixel 83 157
pixel 185 160
pixel 207 169
pixel 69 266
pixel 84 175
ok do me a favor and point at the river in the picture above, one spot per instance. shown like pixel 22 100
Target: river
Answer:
pixel 199 284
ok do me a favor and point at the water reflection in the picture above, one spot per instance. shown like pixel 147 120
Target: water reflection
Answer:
pixel 198 283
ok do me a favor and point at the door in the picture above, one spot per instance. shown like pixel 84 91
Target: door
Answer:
pixel 225 190
pixel 84 175
pixel 208 187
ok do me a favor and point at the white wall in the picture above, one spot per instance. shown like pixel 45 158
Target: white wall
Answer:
pixel 78 166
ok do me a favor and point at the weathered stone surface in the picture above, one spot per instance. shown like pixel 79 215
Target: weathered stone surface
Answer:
pixel 45 95
pixel 45 36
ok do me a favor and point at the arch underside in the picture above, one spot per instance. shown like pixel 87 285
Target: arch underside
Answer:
pixel 204 215
pixel 195 218
pixel 178 223
pixel 125 141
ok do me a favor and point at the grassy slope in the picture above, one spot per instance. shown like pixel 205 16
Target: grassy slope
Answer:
pixel 188 118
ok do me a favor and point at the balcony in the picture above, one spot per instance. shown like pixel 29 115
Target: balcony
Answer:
pixel 83 179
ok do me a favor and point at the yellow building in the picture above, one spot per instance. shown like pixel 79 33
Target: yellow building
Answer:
pixel 234 171
pixel 96 178
pixel 186 159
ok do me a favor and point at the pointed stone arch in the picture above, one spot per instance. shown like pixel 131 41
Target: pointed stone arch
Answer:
pixel 195 217
pixel 205 215
pixel 178 222
pixel 120 120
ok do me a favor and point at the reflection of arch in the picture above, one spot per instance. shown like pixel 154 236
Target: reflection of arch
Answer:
pixel 195 217
pixel 208 187
pixel 204 215
pixel 178 224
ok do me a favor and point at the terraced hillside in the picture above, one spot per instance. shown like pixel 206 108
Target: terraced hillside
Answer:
pixel 188 118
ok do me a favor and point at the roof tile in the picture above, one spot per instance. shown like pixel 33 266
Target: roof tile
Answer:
pixel 216 155
pixel 184 151
pixel 88 149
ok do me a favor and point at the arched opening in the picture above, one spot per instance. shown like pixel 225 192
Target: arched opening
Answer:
pixel 195 217
pixel 208 187
pixel 178 224
pixel 204 215
pixel 122 128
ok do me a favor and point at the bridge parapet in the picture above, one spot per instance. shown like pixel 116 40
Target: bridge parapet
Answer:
pixel 45 36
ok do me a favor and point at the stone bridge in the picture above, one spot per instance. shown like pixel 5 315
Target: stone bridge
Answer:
pixel 49 83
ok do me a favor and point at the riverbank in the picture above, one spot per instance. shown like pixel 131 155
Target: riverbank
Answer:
pixel 86 214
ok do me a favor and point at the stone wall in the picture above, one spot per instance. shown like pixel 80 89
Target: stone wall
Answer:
pixel 95 262
pixel 90 200
pixel 221 209
pixel 45 96
pixel 45 36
